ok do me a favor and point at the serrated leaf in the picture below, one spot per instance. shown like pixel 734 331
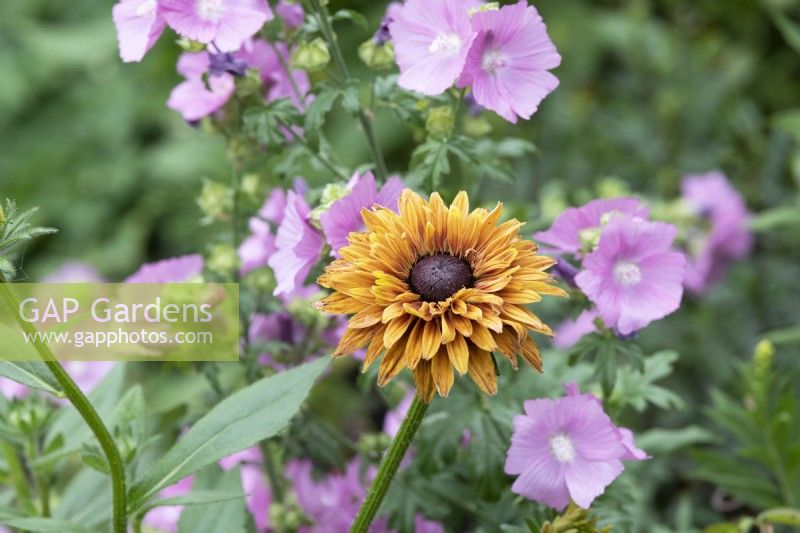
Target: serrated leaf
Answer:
pixel 638 388
pixel 316 111
pixel 238 422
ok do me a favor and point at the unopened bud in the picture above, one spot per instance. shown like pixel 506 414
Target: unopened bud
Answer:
pixel 440 121
pixel 331 193
pixel 311 56
pixel 215 201
pixel 378 56
pixel 223 260
pixel 250 185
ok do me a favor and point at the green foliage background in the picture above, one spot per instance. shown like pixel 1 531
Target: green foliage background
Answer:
pixel 649 90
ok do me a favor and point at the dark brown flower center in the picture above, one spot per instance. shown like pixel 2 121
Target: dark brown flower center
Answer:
pixel 437 277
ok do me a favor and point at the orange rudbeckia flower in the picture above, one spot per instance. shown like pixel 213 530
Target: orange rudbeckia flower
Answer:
pixel 437 290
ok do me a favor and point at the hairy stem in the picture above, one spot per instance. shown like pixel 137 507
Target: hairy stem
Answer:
pixel 389 466
pixel 85 409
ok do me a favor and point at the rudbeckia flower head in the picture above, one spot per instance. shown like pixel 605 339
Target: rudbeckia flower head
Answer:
pixel 438 289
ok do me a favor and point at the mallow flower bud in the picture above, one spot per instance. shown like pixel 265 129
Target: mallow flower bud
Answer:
pixel 311 56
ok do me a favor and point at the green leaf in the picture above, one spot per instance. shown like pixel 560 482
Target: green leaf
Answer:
pixel 197 497
pixel 86 499
pixel 31 374
pixel 238 422
pixel 229 516
pixel 348 14
pixel 45 525
pixel 638 389
pixel 316 111
pixel 267 123
pixel 350 98
pixel 776 218
pixel 609 354
pixel 780 515
pixel 663 441
pixel 431 161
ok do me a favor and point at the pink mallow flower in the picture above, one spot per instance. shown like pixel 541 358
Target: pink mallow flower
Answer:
pixel 254 484
pixel 291 12
pixel 569 332
pixel 87 374
pixel 74 272
pixel 278 83
pixel 712 198
pixel 192 98
pixel 284 327
pixel 633 277
pixel 165 518
pixel 139 24
pixel 10 389
pixel 432 39
pixel 575 231
pixel 344 215
pixel 225 23
pixel 256 249
pixel 507 66
pixel 333 501
pixel 298 245
pixel 174 270
pixel 567 449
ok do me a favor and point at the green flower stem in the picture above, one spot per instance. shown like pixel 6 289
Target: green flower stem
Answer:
pixel 389 466
pixel 41 478
pixel 86 410
pixel 366 122
pixel 17 474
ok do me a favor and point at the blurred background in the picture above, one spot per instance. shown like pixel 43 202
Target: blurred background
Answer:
pixel 650 90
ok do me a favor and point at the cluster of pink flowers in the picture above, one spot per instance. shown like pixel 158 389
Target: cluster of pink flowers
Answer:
pixel 503 54
pixel 227 29
pixel 224 24
pixel 630 267
pixel 630 270
pixel 567 449
pixel 298 243
pixel 328 504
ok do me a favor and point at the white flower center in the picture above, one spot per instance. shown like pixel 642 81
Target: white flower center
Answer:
pixel 562 448
pixel 492 60
pixel 446 44
pixel 146 8
pixel 209 9
pixel 627 273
